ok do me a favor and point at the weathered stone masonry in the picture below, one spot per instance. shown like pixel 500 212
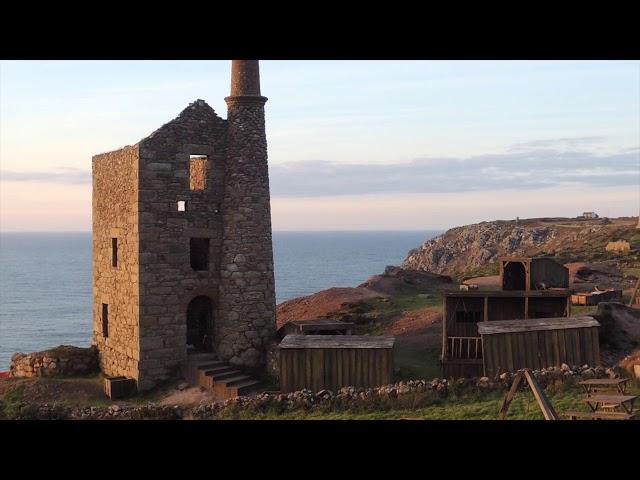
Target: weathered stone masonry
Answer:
pixel 213 260
pixel 247 285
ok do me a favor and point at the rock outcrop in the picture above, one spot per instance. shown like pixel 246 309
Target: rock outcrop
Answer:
pixel 463 249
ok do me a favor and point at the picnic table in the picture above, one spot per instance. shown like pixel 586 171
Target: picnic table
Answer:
pixel 610 401
pixel 594 384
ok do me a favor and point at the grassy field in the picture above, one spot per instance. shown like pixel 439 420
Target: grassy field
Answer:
pixel 70 392
pixel 417 362
pixel 373 316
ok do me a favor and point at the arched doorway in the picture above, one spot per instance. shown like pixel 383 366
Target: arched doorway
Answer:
pixel 515 276
pixel 200 324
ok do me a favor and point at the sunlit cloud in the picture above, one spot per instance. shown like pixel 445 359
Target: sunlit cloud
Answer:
pixel 526 170
pixel 64 175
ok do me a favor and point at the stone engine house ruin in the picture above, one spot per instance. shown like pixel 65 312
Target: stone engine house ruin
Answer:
pixel 182 249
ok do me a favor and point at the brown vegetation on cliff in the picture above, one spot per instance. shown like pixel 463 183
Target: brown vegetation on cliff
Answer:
pixel 475 248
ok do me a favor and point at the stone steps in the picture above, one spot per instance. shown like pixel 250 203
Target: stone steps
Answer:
pixel 219 377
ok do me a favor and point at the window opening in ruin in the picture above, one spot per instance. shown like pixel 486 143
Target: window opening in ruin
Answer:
pixel 198 169
pixel 468 317
pixel 182 206
pixel 114 252
pixel 105 320
pixel 199 252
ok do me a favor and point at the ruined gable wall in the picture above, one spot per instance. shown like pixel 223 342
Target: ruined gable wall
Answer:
pixel 115 214
pixel 168 283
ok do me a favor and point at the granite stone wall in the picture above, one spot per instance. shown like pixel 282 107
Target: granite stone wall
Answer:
pixel 115 215
pixel 217 169
pixel 247 293
pixel 167 281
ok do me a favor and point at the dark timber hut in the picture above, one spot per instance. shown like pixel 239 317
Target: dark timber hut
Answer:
pixel 320 326
pixel 318 362
pixel 531 288
pixel 538 343
pixel 532 274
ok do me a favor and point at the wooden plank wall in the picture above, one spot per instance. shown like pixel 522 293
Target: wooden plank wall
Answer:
pixel 453 305
pixel 551 307
pixel 506 308
pixel 453 369
pixel 540 349
pixel 332 369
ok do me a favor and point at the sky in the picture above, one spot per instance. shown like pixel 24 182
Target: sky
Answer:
pixel 353 145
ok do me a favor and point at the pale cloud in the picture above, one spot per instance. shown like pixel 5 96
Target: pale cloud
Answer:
pixel 524 170
pixel 63 175
pixel 533 169
pixel 419 194
pixel 571 142
pixel 416 211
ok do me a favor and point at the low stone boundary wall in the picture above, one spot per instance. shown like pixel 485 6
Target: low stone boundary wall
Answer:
pixel 393 395
pixel 64 360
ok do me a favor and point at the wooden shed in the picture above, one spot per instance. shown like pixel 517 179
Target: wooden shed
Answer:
pixel 330 362
pixel 538 343
pixel 463 312
pixel 320 326
pixel 528 273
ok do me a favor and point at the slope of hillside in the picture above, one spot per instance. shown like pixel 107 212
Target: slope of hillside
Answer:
pixel 474 248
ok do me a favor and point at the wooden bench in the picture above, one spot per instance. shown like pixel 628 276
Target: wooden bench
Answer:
pixel 574 415
pixel 610 401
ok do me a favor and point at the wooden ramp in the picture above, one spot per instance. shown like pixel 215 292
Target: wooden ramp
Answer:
pixel 538 392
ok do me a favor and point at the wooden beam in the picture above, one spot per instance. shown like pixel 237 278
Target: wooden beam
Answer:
pixel 635 292
pixel 509 397
pixel 485 317
pixel 444 328
pixel 543 402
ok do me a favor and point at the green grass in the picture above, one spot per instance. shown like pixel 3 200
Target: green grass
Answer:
pixel 483 271
pixel 631 271
pixel 415 363
pixel 11 400
pixel 583 310
pixel 402 303
pixel 373 316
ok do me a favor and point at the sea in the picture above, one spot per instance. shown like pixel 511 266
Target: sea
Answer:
pixel 45 278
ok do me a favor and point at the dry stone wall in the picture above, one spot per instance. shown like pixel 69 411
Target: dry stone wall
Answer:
pixel 61 361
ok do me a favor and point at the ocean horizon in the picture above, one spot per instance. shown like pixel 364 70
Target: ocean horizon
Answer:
pixel 46 278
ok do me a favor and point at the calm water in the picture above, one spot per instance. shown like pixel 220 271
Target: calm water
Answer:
pixel 45 279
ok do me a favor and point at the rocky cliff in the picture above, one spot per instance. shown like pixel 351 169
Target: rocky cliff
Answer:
pixel 467 249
